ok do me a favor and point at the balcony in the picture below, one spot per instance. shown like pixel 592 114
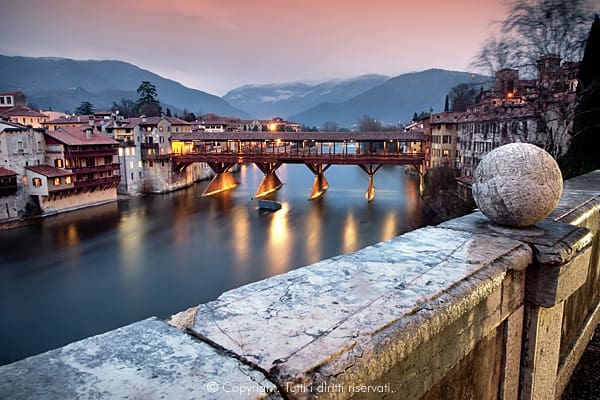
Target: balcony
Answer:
pixel 109 181
pixel 91 153
pixel 96 168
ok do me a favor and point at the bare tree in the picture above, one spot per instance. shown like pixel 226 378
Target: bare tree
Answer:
pixel 534 28
pixel 368 124
pixel 331 126
pixel 462 96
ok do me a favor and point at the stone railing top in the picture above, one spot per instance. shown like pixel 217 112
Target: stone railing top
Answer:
pixel 145 360
pixel 328 313
pixel 581 196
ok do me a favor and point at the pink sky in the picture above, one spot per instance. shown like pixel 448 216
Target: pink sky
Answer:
pixel 217 45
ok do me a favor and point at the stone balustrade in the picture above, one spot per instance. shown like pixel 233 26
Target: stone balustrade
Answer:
pixel 466 309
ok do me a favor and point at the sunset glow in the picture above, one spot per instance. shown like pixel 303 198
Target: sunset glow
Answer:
pixel 216 45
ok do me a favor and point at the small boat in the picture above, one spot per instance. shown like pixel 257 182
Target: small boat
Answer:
pixel 268 205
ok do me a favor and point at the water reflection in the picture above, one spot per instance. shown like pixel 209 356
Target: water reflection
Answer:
pixel 280 236
pixel 160 254
pixel 313 228
pixel 349 233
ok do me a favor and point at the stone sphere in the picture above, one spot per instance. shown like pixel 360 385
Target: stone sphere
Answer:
pixel 517 184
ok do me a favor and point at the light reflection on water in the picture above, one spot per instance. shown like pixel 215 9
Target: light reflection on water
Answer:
pixel 82 273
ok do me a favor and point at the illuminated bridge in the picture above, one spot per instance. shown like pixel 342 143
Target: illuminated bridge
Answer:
pixel 317 150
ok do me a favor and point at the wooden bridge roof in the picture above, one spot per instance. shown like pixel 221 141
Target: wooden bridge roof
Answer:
pixel 378 136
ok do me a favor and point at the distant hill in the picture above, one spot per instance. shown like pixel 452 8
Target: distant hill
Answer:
pixel 394 100
pixel 286 99
pixel 62 84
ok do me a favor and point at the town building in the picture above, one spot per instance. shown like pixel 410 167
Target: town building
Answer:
pixel 79 170
pixel 538 111
pixel 12 99
pixel 217 123
pixel 13 108
pixel 145 155
pixel 443 140
pixel 8 194
pixel 24 115
pixel 276 124
pixel 20 147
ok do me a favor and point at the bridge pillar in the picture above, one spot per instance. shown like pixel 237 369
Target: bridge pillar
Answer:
pixel 270 182
pixel 222 181
pixel 320 184
pixel 370 170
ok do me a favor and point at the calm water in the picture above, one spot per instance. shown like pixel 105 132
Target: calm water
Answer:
pixel 89 271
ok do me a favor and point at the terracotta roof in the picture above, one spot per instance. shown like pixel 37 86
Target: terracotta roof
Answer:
pixel 4 125
pixel 415 135
pixel 49 171
pixel 7 172
pixel 70 119
pixel 75 136
pixel 176 121
pixel 445 118
pixel 21 112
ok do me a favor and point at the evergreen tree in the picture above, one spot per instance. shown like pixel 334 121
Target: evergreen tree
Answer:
pixel 147 103
pixel 583 156
pixel 446 105
pixel 169 112
pixel 85 108
pixel 415 117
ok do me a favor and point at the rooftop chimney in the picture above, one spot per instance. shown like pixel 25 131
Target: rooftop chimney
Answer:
pixel 89 131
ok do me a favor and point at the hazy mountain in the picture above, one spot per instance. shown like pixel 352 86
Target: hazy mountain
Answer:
pixel 285 99
pixel 394 100
pixel 62 84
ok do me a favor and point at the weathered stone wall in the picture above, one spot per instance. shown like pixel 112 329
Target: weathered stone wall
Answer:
pixel 161 178
pixel 467 309
pixel 580 206
pixel 73 201
pixel 8 208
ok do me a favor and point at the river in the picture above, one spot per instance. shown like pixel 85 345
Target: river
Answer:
pixel 85 272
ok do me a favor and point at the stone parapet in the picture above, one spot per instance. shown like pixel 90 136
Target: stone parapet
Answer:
pixel 467 309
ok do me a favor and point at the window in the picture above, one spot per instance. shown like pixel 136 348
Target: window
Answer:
pixel 9 100
pixel 1 100
pixel 131 164
pixel 161 139
pixel 58 163
pixel 25 180
pixel 132 176
pixel 37 182
pixel 120 151
pixel 68 180
pixel 140 164
pixel 446 153
pixel 160 128
pixel 127 151
pixel 133 151
pixel 56 181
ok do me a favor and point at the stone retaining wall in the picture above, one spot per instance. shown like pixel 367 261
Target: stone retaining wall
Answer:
pixel 467 309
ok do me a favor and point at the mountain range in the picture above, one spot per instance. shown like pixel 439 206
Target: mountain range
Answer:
pixel 62 84
pixel 286 99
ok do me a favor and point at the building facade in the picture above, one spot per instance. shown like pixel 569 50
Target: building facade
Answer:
pixel 443 138
pixel 538 111
pixel 79 170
